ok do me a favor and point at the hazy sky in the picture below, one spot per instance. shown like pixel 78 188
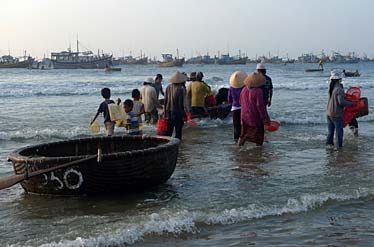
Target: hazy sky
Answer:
pixel 193 26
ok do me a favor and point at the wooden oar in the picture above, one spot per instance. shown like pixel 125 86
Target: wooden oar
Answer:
pixel 9 181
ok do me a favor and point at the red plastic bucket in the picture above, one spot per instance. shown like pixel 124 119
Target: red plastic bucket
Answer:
pixel 272 126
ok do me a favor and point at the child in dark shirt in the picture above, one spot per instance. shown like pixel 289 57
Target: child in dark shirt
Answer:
pixel 103 108
pixel 132 122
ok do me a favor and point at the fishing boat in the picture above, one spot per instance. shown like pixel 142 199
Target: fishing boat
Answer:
pixel 169 61
pixel 9 61
pixel 129 60
pixel 227 60
pixel 206 59
pixel 99 165
pixel 79 60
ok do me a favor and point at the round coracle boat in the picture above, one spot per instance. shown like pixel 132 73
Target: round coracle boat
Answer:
pixel 98 165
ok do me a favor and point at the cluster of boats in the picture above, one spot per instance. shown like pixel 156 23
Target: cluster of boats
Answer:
pixel 88 60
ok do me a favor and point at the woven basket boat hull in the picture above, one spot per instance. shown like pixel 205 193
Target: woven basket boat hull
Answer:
pixel 129 163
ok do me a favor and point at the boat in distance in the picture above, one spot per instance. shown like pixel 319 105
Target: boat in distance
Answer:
pixel 313 70
pixel 80 60
pixel 226 59
pixel 127 164
pixel 9 61
pixel 129 60
pixel 113 69
pixel 169 61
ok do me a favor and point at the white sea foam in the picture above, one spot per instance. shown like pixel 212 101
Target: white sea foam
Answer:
pixel 31 133
pixel 4 136
pixel 185 221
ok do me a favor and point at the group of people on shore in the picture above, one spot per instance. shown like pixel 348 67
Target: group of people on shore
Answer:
pixel 249 96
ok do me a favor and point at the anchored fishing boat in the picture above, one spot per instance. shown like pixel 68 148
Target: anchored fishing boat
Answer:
pixel 99 165
pixel 169 61
pixel 79 60
pixel 9 61
pixel 227 59
pixel 129 60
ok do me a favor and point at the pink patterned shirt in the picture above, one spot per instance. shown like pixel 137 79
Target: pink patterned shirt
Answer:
pixel 254 111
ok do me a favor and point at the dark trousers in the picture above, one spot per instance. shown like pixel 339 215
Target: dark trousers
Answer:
pixel 175 120
pixel 236 123
pixel 353 123
pixel 335 124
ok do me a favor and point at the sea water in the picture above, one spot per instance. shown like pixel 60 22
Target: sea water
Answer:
pixel 290 192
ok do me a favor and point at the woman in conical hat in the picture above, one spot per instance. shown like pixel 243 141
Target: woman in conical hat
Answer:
pixel 236 86
pixel 253 113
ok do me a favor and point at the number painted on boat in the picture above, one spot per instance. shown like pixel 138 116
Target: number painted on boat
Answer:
pixel 79 178
pixel 71 179
pixel 54 178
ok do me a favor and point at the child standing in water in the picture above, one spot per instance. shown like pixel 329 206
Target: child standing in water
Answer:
pixel 132 123
pixel 138 107
pixel 103 108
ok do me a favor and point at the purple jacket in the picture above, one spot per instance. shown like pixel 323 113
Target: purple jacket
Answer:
pixel 254 111
pixel 234 96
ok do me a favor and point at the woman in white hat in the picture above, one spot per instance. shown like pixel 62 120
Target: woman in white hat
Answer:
pixel 335 108
pixel 175 104
pixel 253 113
pixel 236 86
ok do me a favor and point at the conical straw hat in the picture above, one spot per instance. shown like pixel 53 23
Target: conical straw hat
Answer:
pixel 255 80
pixel 178 77
pixel 237 79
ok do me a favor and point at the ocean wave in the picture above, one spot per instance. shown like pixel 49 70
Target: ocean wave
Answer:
pixel 313 120
pixel 320 86
pixel 31 133
pixel 185 221
pixel 203 123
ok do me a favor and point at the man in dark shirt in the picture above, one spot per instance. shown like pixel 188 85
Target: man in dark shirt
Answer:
pixel 267 88
pixel 158 86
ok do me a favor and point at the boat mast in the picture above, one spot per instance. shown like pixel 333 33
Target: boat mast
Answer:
pixel 77 45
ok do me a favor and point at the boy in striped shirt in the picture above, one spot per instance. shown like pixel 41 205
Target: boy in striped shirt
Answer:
pixel 132 122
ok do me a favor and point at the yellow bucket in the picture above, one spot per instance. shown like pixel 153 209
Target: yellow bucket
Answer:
pixel 95 128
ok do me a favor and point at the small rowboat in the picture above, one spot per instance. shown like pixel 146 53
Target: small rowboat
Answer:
pixel 219 111
pixel 351 74
pixel 313 70
pixel 128 163
pixel 112 69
